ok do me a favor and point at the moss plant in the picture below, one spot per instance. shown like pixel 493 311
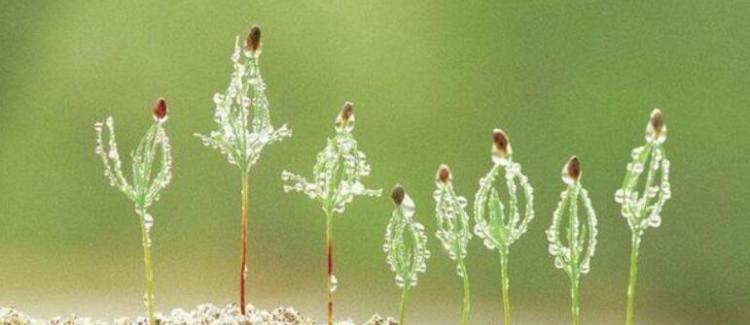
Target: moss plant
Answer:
pixel 502 229
pixel 642 208
pixel 337 179
pixel 571 241
pixel 405 246
pixel 453 229
pixel 237 137
pixel 153 152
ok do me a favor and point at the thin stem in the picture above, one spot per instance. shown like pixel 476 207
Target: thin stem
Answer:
pixel 635 244
pixel 243 239
pixel 329 258
pixel 402 306
pixel 467 294
pixel 148 269
pixel 574 273
pixel 504 259
pixel 574 307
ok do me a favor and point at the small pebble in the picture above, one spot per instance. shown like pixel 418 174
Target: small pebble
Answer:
pixel 206 314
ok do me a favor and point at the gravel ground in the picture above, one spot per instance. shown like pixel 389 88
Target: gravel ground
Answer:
pixel 203 314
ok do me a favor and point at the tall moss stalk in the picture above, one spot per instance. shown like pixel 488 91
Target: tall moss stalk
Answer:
pixel 151 166
pixel 497 228
pixel 405 246
pixel 337 179
pixel 453 231
pixel 642 206
pixel 238 137
pixel 332 282
pixel 244 238
pixel 572 243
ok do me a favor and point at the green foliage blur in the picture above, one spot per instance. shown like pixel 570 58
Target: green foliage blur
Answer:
pixel 429 80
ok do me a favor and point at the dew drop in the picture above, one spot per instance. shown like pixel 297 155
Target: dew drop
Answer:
pixel 654 221
pixel 551 234
pixel 559 263
pixel 620 196
pixel 113 154
pixel 408 206
pixel 333 283
pixel 218 98
pixel 553 250
pixel 585 268
pixel 148 222
pixel 399 281
pixel 498 160
pixel 636 152
pixel 461 201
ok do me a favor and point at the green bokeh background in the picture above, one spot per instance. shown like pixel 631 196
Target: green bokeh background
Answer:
pixel 430 80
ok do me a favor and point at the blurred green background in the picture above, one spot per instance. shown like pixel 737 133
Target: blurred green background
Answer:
pixel 430 80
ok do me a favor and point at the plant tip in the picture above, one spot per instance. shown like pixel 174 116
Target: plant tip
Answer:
pixel 443 174
pixel 656 130
pixel 347 111
pixel 501 149
pixel 398 194
pixel 345 119
pixel 253 39
pixel 160 109
pixel 572 171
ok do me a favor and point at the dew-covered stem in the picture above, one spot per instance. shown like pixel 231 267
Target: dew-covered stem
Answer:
pixel 329 262
pixel 505 282
pixel 244 128
pixel 151 163
pixel 498 222
pixel 243 238
pixel 148 298
pixel 572 241
pixel 643 201
pixel 337 180
pixel 405 246
pixel 574 298
pixel 467 293
pixel 402 305
pixel 634 247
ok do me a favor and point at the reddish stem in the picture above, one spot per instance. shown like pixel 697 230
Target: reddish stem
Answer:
pixel 243 239
pixel 329 258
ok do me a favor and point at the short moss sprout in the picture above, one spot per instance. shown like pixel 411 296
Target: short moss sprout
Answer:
pixel 497 228
pixel 405 246
pixel 571 241
pixel 151 166
pixel 453 231
pixel 237 137
pixel 337 179
pixel 642 207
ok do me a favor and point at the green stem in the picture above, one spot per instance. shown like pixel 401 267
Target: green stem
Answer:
pixel 574 307
pixel 402 306
pixel 329 258
pixel 243 239
pixel 634 245
pixel 467 294
pixel 148 269
pixel 504 259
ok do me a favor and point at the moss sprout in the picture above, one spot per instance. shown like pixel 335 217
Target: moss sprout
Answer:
pixel 572 243
pixel 642 202
pixel 405 246
pixel 337 180
pixel 498 228
pixel 453 231
pixel 240 139
pixel 151 173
